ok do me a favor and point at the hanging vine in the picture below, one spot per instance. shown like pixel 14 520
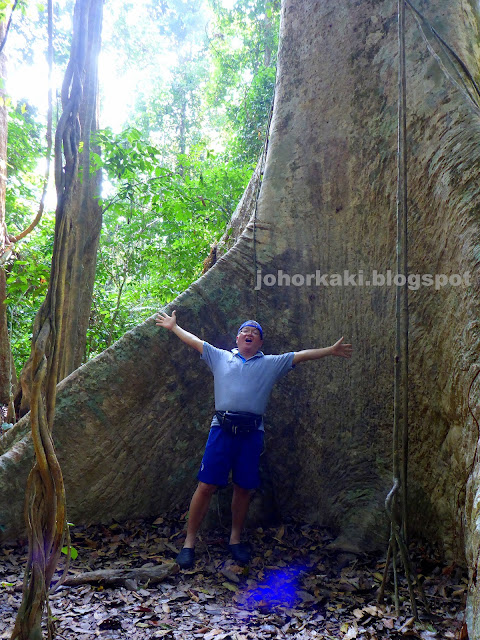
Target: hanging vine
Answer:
pixel 45 504
pixel 396 501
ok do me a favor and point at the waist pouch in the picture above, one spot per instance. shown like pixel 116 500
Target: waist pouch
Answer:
pixel 238 421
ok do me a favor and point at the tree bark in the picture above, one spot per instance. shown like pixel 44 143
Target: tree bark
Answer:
pixel 131 424
pixel 86 216
pixel 7 367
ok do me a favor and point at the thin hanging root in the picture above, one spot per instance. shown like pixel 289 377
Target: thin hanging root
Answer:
pixel 406 565
pixel 395 576
pixel 397 541
pixel 396 501
pixel 381 591
pixel 408 571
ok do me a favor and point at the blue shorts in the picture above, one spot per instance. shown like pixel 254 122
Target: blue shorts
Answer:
pixel 225 451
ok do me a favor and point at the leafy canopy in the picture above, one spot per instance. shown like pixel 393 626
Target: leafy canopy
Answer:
pixel 158 225
pixel 175 173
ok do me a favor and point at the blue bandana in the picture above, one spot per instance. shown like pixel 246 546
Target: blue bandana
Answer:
pixel 251 323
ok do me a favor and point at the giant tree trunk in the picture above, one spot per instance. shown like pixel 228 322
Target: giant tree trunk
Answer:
pixel 132 423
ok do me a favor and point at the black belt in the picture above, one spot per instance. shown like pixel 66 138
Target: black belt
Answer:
pixel 238 421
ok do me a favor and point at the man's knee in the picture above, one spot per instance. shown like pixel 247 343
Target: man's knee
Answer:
pixel 205 489
pixel 241 491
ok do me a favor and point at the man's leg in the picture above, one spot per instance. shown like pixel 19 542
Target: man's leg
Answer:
pixel 240 504
pixel 213 472
pixel 198 509
pixel 245 473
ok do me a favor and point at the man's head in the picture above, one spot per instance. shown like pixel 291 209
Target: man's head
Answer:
pixel 251 323
pixel 249 338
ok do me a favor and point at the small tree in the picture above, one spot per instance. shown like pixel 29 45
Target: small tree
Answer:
pixel 84 212
pixel 45 495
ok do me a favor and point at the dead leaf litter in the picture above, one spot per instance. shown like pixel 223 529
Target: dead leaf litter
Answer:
pixel 294 587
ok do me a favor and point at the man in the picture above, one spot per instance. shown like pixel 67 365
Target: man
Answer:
pixel 243 380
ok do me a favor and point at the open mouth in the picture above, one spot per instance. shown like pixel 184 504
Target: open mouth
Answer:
pixel 248 340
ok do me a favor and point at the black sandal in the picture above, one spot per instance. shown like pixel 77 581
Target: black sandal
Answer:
pixel 240 552
pixel 186 558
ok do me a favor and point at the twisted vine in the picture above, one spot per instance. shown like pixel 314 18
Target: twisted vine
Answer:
pixel 45 504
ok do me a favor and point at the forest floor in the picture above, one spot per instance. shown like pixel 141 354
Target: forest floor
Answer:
pixel 294 587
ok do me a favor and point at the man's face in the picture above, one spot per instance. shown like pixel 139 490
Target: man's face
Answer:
pixel 249 341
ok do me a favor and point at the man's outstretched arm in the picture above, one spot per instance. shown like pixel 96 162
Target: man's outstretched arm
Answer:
pixel 338 349
pixel 170 323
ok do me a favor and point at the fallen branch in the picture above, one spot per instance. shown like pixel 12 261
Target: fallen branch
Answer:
pixel 128 578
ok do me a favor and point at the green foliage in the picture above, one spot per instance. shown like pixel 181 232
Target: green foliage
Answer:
pixel 172 115
pixel 25 150
pixel 173 177
pixel 7 5
pixel 27 283
pixel 148 30
pixel 169 108
pixel 73 552
pixel 243 46
pixel 250 118
pixel 27 276
pixel 159 223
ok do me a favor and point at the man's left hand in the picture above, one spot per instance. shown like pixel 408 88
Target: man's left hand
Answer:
pixel 342 350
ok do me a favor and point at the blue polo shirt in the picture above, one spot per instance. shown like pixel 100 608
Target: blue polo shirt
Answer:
pixel 244 385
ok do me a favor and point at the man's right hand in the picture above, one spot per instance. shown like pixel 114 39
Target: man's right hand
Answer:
pixel 166 321
pixel 170 323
